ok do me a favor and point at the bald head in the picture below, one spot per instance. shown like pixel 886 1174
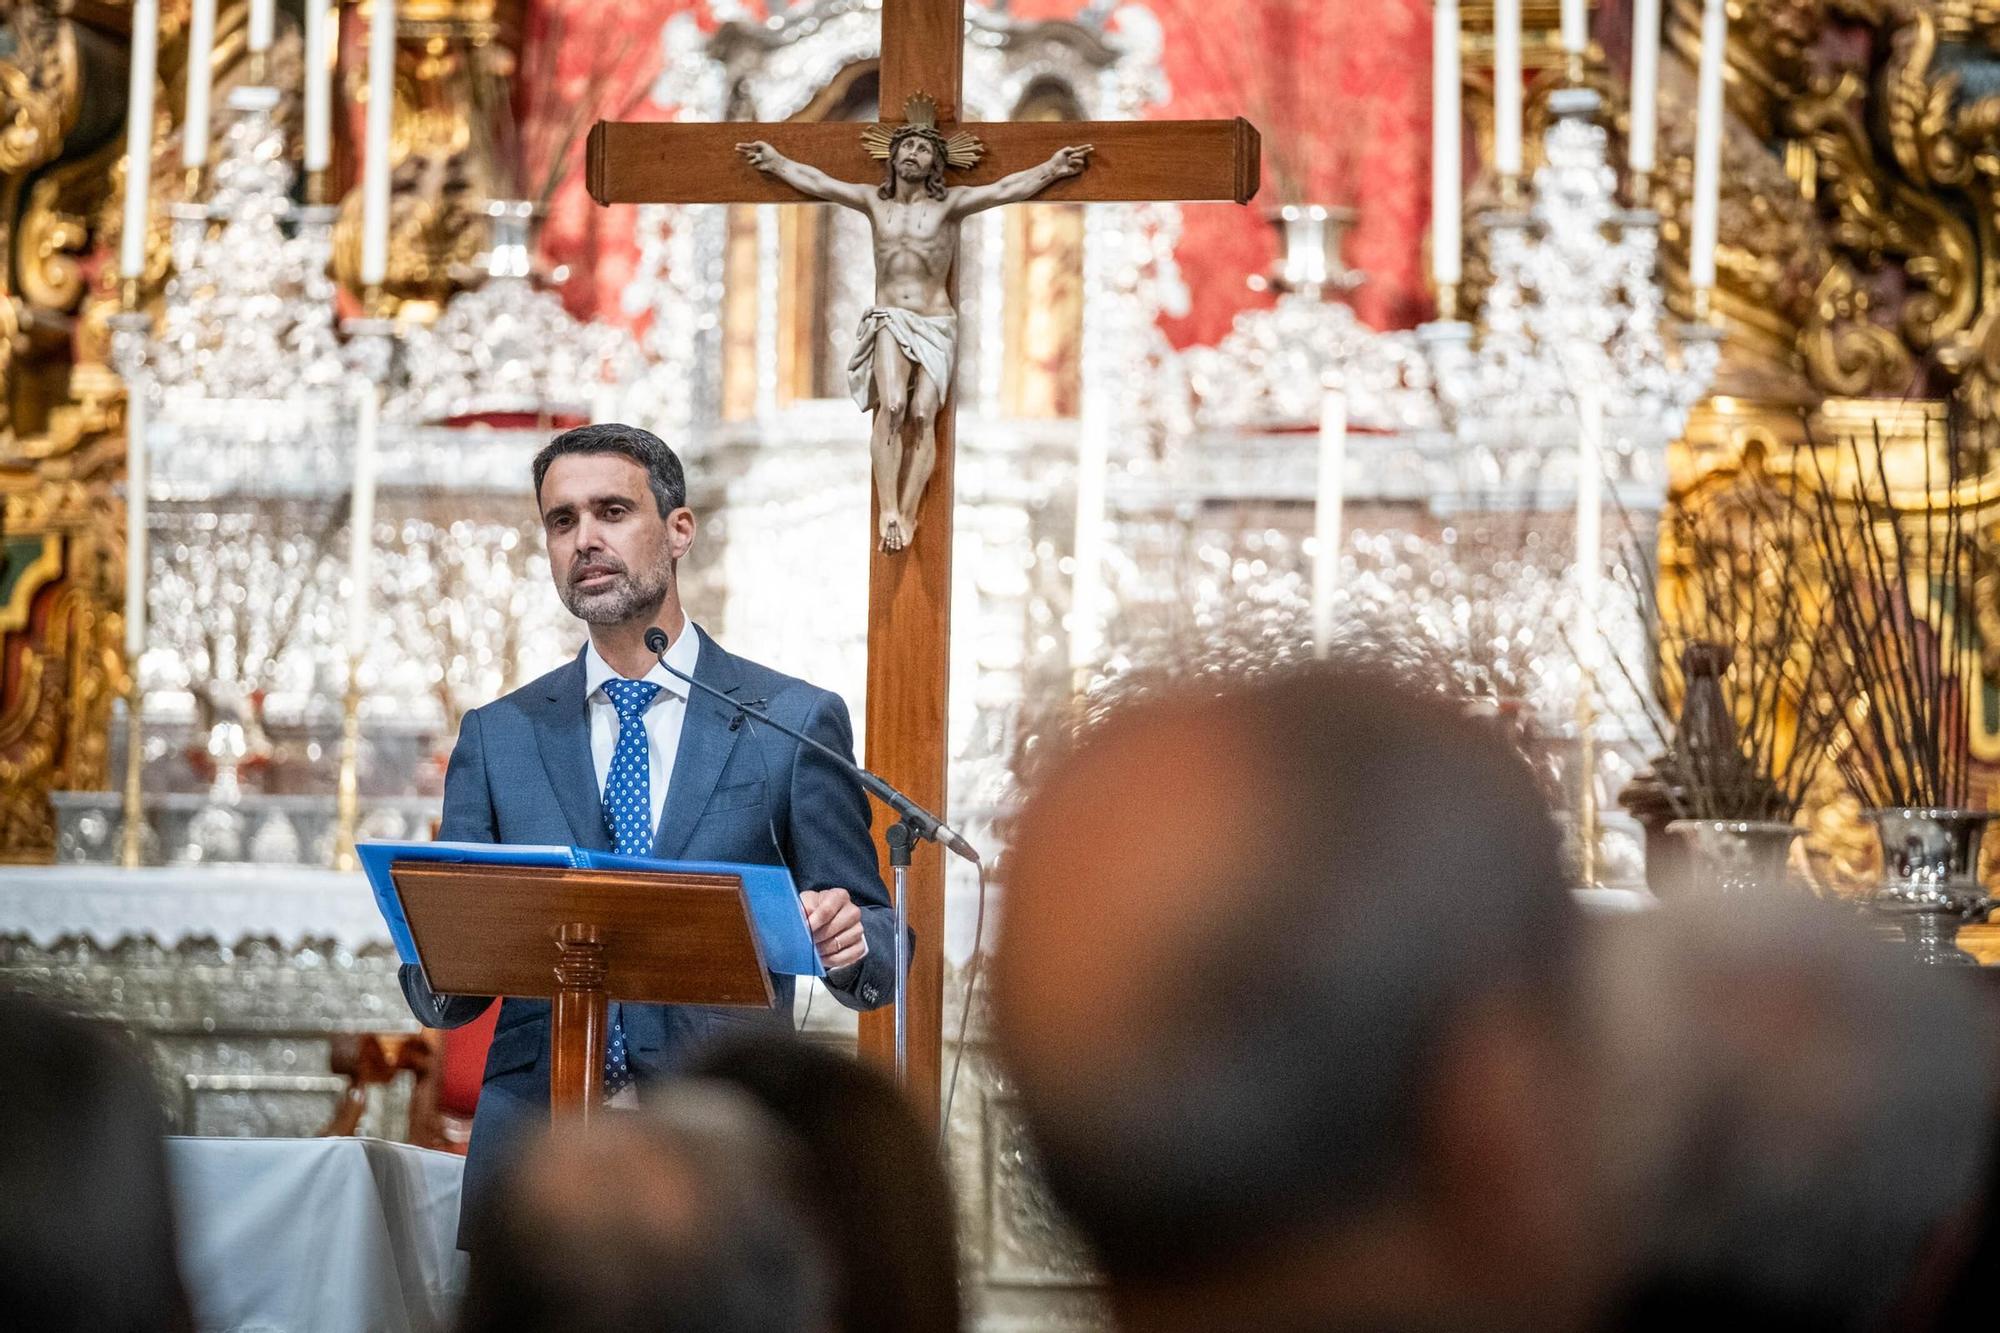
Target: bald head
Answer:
pixel 1238 930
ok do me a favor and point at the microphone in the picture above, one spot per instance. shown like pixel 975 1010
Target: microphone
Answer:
pixel 921 821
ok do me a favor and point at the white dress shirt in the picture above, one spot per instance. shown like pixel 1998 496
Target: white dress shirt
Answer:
pixel 663 717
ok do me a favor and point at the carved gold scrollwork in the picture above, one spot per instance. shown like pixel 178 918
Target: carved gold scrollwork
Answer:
pixel 1877 219
pixel 38 88
pixel 54 234
pixel 1917 108
pixel 1845 350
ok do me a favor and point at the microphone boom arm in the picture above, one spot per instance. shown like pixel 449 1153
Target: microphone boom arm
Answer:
pixel 922 822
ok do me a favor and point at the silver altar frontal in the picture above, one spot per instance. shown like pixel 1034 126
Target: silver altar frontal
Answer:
pixel 234 980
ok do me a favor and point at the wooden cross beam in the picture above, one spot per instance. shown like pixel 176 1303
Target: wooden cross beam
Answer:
pixel 909 591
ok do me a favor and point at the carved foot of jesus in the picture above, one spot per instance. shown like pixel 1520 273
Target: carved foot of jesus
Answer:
pixel 897 531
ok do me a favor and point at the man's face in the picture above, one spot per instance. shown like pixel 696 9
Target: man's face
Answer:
pixel 915 158
pixel 611 553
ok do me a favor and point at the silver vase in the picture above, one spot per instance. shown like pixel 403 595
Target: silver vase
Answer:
pixel 1930 883
pixel 1730 857
pixel 1310 262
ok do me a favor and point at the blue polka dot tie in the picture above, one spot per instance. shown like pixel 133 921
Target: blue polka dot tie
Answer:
pixel 628 810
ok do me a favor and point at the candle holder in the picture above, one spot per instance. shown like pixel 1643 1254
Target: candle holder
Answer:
pixel 347 792
pixel 130 328
pixel 1589 827
pixel 132 841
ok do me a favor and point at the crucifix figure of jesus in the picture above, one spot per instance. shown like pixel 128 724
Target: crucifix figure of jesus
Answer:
pixel 909 591
pixel 907 342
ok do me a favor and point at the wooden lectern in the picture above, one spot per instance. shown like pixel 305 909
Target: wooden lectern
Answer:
pixel 582 938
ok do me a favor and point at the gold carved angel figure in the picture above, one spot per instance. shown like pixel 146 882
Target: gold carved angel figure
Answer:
pixel 907 342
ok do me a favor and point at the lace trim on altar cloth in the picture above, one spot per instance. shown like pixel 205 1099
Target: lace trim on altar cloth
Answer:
pixel 182 904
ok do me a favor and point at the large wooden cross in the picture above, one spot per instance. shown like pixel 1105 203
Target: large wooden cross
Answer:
pixel 909 591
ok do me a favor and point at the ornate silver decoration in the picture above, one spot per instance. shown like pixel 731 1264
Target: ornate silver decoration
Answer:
pixel 508 347
pixel 248 326
pixel 1575 299
pixel 1272 370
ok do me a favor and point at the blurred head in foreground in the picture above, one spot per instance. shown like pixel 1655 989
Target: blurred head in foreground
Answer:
pixel 1287 978
pixel 874 1180
pixel 683 1217
pixel 86 1221
pixel 1815 1109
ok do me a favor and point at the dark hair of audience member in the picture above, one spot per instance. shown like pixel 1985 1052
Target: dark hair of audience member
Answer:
pixel 1820 1111
pixel 867 1157
pixel 684 1216
pixel 1389 866
pixel 86 1218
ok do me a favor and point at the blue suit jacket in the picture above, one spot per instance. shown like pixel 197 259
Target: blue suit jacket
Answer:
pixel 522 773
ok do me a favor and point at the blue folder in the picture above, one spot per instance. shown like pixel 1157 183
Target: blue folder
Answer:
pixel 775 910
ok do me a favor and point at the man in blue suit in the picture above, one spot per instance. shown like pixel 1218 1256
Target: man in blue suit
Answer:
pixel 613 752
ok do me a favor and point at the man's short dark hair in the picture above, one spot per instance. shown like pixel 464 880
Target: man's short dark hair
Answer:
pixel 86 1212
pixel 649 451
pixel 686 1214
pixel 1402 869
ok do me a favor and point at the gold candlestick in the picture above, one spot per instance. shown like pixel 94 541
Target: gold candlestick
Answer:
pixel 1586 811
pixel 347 799
pixel 132 846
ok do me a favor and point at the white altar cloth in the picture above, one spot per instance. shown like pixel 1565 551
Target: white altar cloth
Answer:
pixel 173 904
pixel 317 1235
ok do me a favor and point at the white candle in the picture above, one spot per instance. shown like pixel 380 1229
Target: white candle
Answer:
pixel 361 525
pixel 1086 597
pixel 320 30
pixel 135 525
pixel 139 137
pixel 1645 85
pixel 1575 26
pixel 200 75
pixel 1707 148
pixel 1589 525
pixel 1327 514
pixel 263 22
pixel 1447 159
pixel 375 162
pixel 1507 87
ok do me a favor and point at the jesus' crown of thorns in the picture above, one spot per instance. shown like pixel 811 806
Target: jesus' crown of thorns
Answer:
pixel 960 150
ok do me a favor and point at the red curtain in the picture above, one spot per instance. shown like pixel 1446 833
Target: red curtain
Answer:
pixel 1340 89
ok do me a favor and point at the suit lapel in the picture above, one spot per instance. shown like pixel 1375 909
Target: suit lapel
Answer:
pixel 562 731
pixel 707 740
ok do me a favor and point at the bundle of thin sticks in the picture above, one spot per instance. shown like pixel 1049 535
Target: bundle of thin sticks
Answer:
pixel 1899 588
pixel 1741 608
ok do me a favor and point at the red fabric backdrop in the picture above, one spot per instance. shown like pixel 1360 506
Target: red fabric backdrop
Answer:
pixel 1340 88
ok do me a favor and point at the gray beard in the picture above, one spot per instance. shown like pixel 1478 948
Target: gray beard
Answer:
pixel 630 597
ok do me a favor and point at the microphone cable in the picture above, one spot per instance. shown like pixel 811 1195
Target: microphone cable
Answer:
pixel 974 973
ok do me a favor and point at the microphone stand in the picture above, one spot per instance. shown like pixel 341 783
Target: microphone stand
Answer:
pixel 912 822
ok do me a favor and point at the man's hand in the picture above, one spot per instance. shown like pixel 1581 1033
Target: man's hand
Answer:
pixel 759 154
pixel 835 923
pixel 1071 161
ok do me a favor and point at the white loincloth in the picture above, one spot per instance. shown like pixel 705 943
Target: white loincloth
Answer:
pixel 929 341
